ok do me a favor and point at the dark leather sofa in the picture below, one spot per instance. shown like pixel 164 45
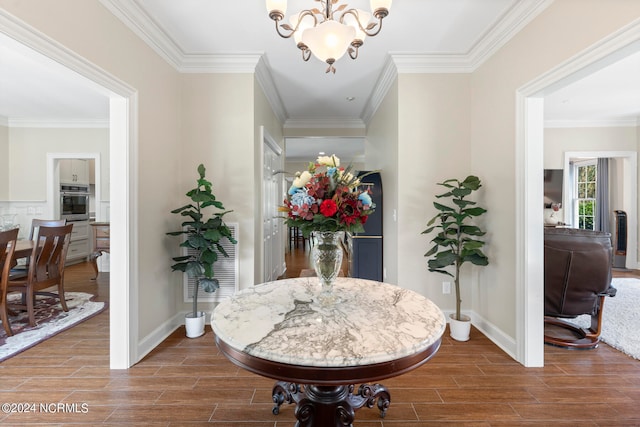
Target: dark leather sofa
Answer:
pixel 577 278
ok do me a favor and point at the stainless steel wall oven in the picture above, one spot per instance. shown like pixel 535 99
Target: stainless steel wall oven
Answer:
pixel 74 202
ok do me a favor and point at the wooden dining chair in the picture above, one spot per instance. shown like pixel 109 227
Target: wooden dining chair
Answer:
pixel 46 269
pixel 20 270
pixel 7 247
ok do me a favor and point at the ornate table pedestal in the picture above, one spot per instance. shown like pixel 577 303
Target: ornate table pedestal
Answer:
pixel 318 352
pixel 329 405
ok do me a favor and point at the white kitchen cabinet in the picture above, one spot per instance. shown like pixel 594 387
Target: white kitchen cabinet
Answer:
pixel 79 245
pixel 74 171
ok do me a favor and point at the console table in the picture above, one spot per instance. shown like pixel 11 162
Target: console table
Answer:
pixel 101 243
pixel 318 352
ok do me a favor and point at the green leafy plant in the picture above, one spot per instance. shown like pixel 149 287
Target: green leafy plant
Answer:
pixel 456 240
pixel 203 235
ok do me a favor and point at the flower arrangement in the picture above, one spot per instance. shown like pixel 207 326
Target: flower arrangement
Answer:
pixel 326 197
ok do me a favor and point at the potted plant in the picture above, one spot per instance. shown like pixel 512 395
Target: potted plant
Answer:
pixel 203 236
pixel 456 241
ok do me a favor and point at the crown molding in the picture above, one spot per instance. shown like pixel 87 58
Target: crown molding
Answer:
pixel 59 124
pixel 399 62
pixel 265 80
pixel 245 62
pixel 514 20
pixel 327 123
pixel 384 83
pixel 144 27
pixel 4 121
pixel 600 123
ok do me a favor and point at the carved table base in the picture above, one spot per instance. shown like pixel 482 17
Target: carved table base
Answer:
pixel 327 406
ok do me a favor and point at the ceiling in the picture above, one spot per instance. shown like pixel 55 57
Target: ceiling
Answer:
pixel 238 36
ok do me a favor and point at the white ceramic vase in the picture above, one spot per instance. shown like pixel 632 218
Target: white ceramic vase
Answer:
pixel 459 329
pixel 194 325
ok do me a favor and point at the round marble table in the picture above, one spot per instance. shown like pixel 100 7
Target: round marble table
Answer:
pixel 319 351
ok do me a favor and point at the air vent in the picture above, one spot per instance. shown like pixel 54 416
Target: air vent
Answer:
pixel 226 271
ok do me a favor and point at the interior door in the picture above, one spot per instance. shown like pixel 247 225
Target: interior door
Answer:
pixel 272 196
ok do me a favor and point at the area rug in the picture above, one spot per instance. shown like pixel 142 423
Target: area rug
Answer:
pixel 621 317
pixel 50 320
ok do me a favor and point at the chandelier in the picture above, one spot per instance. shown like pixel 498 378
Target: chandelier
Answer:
pixel 324 33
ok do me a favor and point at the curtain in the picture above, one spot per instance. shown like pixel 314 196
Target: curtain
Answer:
pixel 602 196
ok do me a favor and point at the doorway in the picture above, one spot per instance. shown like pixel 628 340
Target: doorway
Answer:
pixel 529 179
pixel 122 153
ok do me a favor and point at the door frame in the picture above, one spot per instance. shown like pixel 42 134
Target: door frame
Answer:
pixel 123 143
pixel 529 147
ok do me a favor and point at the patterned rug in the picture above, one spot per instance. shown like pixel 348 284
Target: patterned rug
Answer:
pixel 620 317
pixel 50 320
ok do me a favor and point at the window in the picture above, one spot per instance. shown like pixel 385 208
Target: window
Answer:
pixel 585 191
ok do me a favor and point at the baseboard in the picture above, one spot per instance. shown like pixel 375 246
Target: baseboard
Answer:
pixel 495 334
pixel 162 332
pixel 158 335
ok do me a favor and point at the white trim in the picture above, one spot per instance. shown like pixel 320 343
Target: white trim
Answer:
pixel 518 17
pixel 143 26
pixel 59 124
pixel 161 333
pixel 529 166
pixel 265 80
pixel 332 123
pixel 384 83
pixel 600 123
pixel 529 225
pixel 245 62
pixel 123 153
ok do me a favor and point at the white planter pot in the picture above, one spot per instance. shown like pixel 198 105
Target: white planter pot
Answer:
pixel 194 325
pixel 459 329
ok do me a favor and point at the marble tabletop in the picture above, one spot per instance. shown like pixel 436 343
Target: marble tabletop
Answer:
pixel 283 321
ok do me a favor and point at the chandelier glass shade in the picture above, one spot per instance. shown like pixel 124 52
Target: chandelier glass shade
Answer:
pixel 331 31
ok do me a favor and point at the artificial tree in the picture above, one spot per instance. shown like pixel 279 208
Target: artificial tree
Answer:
pixel 203 235
pixel 456 241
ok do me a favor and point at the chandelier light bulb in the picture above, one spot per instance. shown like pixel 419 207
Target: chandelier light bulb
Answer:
pixel 307 22
pixel 363 18
pixel 381 6
pixel 277 6
pixel 329 40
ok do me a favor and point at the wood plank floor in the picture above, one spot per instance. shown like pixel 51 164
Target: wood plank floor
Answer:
pixel 186 382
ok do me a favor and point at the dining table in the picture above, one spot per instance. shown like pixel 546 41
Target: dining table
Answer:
pixel 319 349
pixel 24 247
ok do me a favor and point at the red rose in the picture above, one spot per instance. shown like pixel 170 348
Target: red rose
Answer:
pixel 328 208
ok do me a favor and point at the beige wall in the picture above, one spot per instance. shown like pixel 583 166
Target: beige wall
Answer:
pixel 557 141
pixel 433 146
pixel 4 163
pixel 28 149
pixel 564 29
pixel 218 113
pixel 381 153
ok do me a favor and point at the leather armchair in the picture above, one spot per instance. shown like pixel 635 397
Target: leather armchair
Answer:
pixel 577 278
